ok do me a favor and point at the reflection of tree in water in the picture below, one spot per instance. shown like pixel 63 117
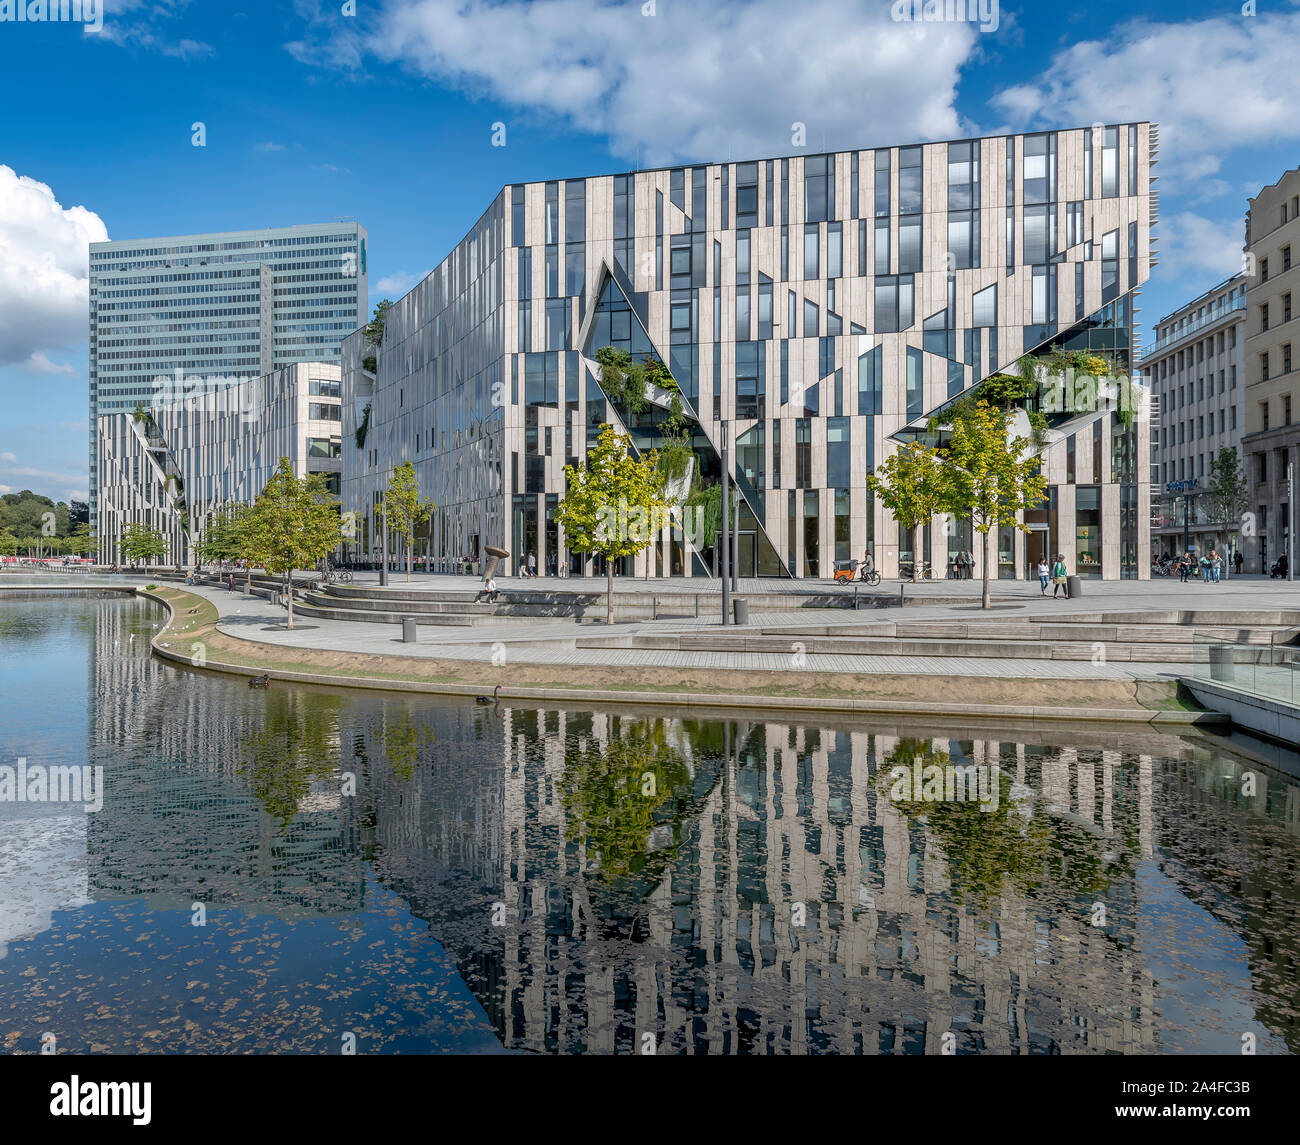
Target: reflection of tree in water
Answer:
pixel 295 746
pixel 1018 844
pixel 617 794
pixel 403 738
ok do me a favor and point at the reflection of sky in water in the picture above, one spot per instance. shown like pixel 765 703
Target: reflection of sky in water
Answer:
pixel 1200 968
pixel 674 917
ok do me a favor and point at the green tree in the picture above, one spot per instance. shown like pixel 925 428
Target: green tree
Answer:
pixel 613 504
pixel 8 544
pixel 989 475
pixel 1228 493
pixel 293 523
pixel 81 542
pixel 141 542
pixel 227 536
pixel 404 509
pixel 911 485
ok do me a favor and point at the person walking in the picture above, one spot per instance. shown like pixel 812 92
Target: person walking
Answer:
pixel 1237 561
pixel 1184 567
pixel 1205 569
pixel 1216 566
pixel 1058 577
pixel 532 565
pixel 1044 574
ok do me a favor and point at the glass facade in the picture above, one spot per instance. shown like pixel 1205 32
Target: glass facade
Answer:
pixel 868 335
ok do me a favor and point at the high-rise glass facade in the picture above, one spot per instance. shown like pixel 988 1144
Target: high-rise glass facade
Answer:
pixel 173 317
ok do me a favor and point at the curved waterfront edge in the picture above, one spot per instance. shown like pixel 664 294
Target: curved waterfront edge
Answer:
pixel 204 620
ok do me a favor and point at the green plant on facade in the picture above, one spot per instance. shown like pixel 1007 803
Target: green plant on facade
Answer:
pixel 364 428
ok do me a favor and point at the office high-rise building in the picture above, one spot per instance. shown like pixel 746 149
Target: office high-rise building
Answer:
pixel 174 317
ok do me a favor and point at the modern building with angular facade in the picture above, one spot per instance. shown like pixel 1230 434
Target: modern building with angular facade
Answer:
pixel 816 309
pixel 174 464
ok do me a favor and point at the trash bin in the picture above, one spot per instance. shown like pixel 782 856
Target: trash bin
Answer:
pixel 1221 662
pixel 248 588
pixel 1073 586
pixel 275 599
pixel 408 629
pixel 740 608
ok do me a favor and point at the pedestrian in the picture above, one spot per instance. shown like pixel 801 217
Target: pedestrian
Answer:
pixel 532 565
pixel 1044 574
pixel 1216 565
pixel 970 565
pixel 1184 567
pixel 1237 561
pixel 1205 569
pixel 1058 577
pixel 956 564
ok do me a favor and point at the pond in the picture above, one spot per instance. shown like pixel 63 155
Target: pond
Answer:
pixel 307 870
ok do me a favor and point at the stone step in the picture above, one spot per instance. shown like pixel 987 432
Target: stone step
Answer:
pixel 891 646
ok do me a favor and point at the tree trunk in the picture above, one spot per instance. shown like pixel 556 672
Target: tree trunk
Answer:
pixel 986 603
pixel 410 550
pixel 609 590
pixel 289 598
pixel 916 554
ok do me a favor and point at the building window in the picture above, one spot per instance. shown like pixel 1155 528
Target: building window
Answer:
pixel 517 215
pixel 1110 163
pixel 915 382
pixel 811 251
pixel 834 250
pixel 818 171
pixel 1263 417
pixel 1263 366
pixel 575 210
pixel 746 195
pixel 893 303
pixel 1286 409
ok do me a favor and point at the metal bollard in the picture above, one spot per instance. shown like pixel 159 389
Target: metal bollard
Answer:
pixel 408 630
pixel 740 606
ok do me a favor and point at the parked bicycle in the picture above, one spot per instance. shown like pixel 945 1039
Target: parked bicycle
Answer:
pixel 907 569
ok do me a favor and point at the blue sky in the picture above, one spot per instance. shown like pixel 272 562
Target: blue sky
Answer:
pixel 386 115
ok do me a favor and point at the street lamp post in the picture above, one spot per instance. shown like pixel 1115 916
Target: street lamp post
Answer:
pixel 383 564
pixel 725 555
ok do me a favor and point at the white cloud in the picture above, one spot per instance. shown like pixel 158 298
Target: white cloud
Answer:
pixel 395 285
pixel 727 79
pixel 1194 247
pixel 38 363
pixel 44 277
pixel 142 24
pixel 268 147
pixel 1211 84
pixel 8 458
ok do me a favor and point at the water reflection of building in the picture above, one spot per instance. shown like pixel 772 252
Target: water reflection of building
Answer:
pixel 1234 854
pixel 706 957
pixel 193 770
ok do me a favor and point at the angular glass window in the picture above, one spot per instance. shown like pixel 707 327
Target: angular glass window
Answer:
pixel 811 258
pixel 984 307
pixel 834 251
pixel 816 189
